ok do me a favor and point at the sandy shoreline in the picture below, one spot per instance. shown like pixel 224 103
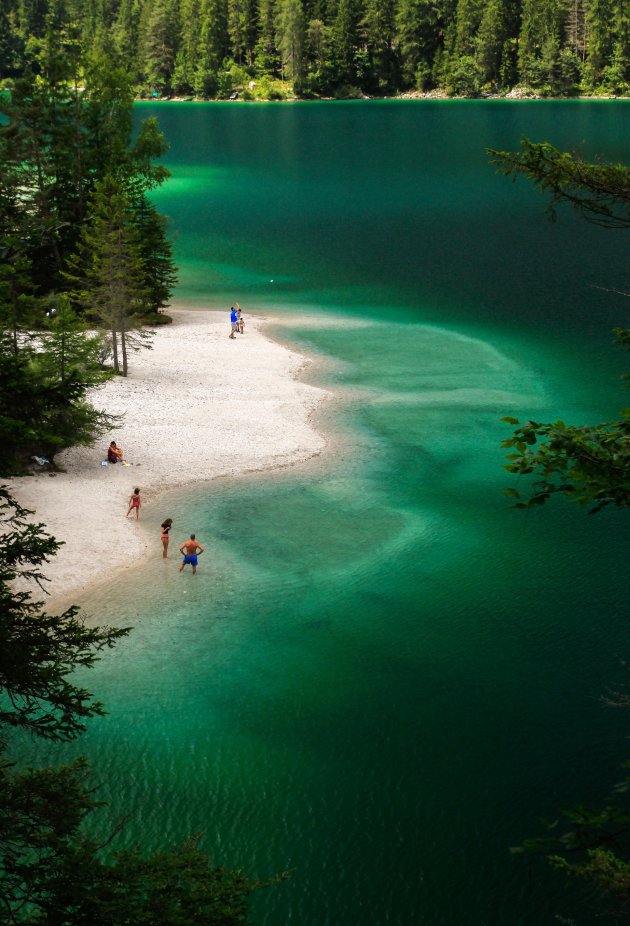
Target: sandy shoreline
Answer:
pixel 196 407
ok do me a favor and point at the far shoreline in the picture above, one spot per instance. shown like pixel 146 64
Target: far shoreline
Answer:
pixel 412 96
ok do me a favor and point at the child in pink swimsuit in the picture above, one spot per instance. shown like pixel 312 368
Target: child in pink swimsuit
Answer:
pixel 134 502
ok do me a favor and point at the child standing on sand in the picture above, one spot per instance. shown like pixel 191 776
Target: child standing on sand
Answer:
pixel 134 502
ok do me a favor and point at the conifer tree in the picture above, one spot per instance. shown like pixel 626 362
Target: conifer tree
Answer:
pixel 467 18
pixel 32 17
pixel 378 28
pixel 266 57
pixel 56 142
pixel 67 349
pixel 37 651
pixel 530 38
pixel 159 44
pixel 16 273
pixel 213 46
pixel 577 28
pixel 41 411
pixel 112 273
pixel 318 57
pixel 621 31
pixel 16 296
pixel 251 30
pixel 600 35
pixel 187 60
pixel 237 27
pixel 31 142
pixel 493 33
pixel 543 29
pixel 290 36
pixel 125 35
pixel 416 38
pixel 346 40
pixel 11 48
pixel 159 273
pixel 615 76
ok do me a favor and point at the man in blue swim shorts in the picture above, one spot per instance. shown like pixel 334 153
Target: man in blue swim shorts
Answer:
pixel 190 549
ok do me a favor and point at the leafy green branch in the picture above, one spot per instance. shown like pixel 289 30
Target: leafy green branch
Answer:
pixel 601 192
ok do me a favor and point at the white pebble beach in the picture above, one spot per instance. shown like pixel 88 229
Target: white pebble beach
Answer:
pixel 198 406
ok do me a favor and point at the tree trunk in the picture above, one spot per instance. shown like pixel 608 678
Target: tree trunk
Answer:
pixel 14 314
pixel 79 146
pixel 123 344
pixel 63 357
pixel 115 349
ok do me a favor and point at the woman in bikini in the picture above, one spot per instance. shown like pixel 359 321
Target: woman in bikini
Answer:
pixel 166 526
pixel 134 502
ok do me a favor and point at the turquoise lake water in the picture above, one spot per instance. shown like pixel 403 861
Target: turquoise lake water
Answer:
pixel 382 676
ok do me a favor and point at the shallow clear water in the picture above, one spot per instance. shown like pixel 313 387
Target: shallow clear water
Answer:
pixel 382 676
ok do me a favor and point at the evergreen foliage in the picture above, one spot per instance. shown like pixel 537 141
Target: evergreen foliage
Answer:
pixel 589 465
pixel 213 48
pixel 51 869
pixel 43 408
pixel 75 224
pixel 67 124
pixel 113 281
pixel 600 192
pixel 38 652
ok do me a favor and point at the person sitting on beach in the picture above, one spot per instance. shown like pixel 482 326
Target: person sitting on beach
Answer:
pixel 233 321
pixel 190 550
pixel 134 502
pixel 114 453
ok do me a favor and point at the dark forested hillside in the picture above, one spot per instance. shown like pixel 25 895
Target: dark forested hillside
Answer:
pixel 276 48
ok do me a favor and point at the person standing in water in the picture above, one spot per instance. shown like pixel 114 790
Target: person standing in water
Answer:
pixel 166 527
pixel 134 502
pixel 190 549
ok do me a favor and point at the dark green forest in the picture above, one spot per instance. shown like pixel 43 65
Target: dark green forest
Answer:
pixel 82 247
pixel 271 49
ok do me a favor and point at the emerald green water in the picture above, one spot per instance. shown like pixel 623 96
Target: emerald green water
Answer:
pixel 382 676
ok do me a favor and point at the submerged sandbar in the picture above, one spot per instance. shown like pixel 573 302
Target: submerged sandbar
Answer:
pixel 197 406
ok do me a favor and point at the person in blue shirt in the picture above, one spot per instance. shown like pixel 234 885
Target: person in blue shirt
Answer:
pixel 233 321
